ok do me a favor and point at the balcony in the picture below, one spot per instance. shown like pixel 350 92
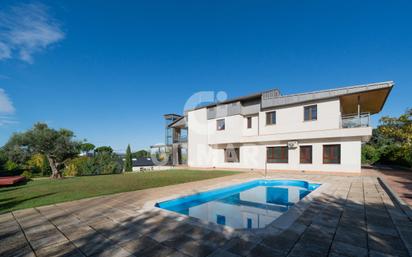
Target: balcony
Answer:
pixel 355 121
pixel 180 139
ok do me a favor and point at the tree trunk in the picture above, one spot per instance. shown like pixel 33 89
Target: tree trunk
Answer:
pixel 55 172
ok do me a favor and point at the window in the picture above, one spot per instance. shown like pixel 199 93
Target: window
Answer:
pixel 249 223
pixel 331 154
pixel 306 154
pixel 220 219
pixel 220 124
pixel 249 122
pixel 271 118
pixel 311 112
pixel 232 155
pixel 277 154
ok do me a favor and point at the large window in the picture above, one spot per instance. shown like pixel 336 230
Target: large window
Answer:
pixel 220 124
pixel 249 122
pixel 306 154
pixel 331 154
pixel 278 154
pixel 271 118
pixel 311 112
pixel 232 155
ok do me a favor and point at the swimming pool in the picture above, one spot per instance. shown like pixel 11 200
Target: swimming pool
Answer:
pixel 254 204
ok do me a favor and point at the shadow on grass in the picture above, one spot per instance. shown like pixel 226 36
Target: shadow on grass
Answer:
pixel 10 204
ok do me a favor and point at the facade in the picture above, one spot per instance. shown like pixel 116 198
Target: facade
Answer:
pixel 175 146
pixel 315 131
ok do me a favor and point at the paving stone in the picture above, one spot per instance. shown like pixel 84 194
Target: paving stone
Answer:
pixel 282 242
pixel 215 239
pixel 44 239
pixel 114 251
pixel 373 253
pixel 163 235
pixel 178 254
pixel 264 251
pixel 348 249
pixel 386 244
pixel 304 250
pixel 122 234
pixel 24 251
pixel 158 251
pixel 223 253
pixel 354 236
pixel 9 245
pixel 197 232
pixel 240 246
pixel 66 249
pixel 385 230
pixel 93 244
pixel 139 244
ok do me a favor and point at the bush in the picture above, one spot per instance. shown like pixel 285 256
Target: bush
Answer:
pixel 39 164
pixel 370 154
pixel 103 163
pixel 79 166
pixel 27 174
pixel 107 163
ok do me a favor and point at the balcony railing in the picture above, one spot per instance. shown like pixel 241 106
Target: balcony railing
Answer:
pixel 355 121
pixel 181 139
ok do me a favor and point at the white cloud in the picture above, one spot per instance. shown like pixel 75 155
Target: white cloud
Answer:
pixel 6 106
pixel 6 109
pixel 26 29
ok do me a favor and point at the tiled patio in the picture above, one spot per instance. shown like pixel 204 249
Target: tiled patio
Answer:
pixel 351 216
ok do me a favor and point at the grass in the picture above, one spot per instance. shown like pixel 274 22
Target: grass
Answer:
pixel 46 191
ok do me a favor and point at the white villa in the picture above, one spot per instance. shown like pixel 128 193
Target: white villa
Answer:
pixel 314 131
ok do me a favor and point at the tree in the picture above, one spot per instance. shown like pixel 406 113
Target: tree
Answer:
pixel 128 166
pixel 87 147
pixel 391 141
pixel 3 159
pixel 140 154
pixel 57 145
pixel 103 149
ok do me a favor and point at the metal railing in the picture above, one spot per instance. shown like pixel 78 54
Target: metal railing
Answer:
pixel 355 120
pixel 181 139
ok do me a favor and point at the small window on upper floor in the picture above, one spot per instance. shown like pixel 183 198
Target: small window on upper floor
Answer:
pixel 249 122
pixel 271 118
pixel 220 124
pixel 310 112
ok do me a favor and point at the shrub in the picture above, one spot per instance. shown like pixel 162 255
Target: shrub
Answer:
pixel 79 166
pixel 370 154
pixel 39 164
pixel 107 163
pixel 27 174
pixel 103 163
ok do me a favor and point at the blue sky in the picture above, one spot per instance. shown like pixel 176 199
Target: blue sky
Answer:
pixel 108 70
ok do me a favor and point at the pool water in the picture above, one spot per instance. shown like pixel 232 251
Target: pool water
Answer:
pixel 254 204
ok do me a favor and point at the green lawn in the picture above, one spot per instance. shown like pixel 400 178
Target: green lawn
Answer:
pixel 46 191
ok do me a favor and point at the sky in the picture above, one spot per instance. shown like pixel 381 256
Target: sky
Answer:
pixel 109 70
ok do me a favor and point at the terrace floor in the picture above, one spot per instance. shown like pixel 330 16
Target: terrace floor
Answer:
pixel 353 216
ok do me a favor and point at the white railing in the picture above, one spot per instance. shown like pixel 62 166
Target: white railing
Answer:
pixel 355 120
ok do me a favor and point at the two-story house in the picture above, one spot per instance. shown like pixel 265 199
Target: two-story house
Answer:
pixel 315 131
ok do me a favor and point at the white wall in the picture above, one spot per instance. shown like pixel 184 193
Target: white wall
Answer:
pixel 291 118
pixel 198 147
pixel 254 157
pixel 206 144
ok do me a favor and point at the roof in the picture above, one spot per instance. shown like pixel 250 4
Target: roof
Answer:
pixel 269 99
pixel 325 94
pixel 171 115
pixel 179 123
pixel 143 161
